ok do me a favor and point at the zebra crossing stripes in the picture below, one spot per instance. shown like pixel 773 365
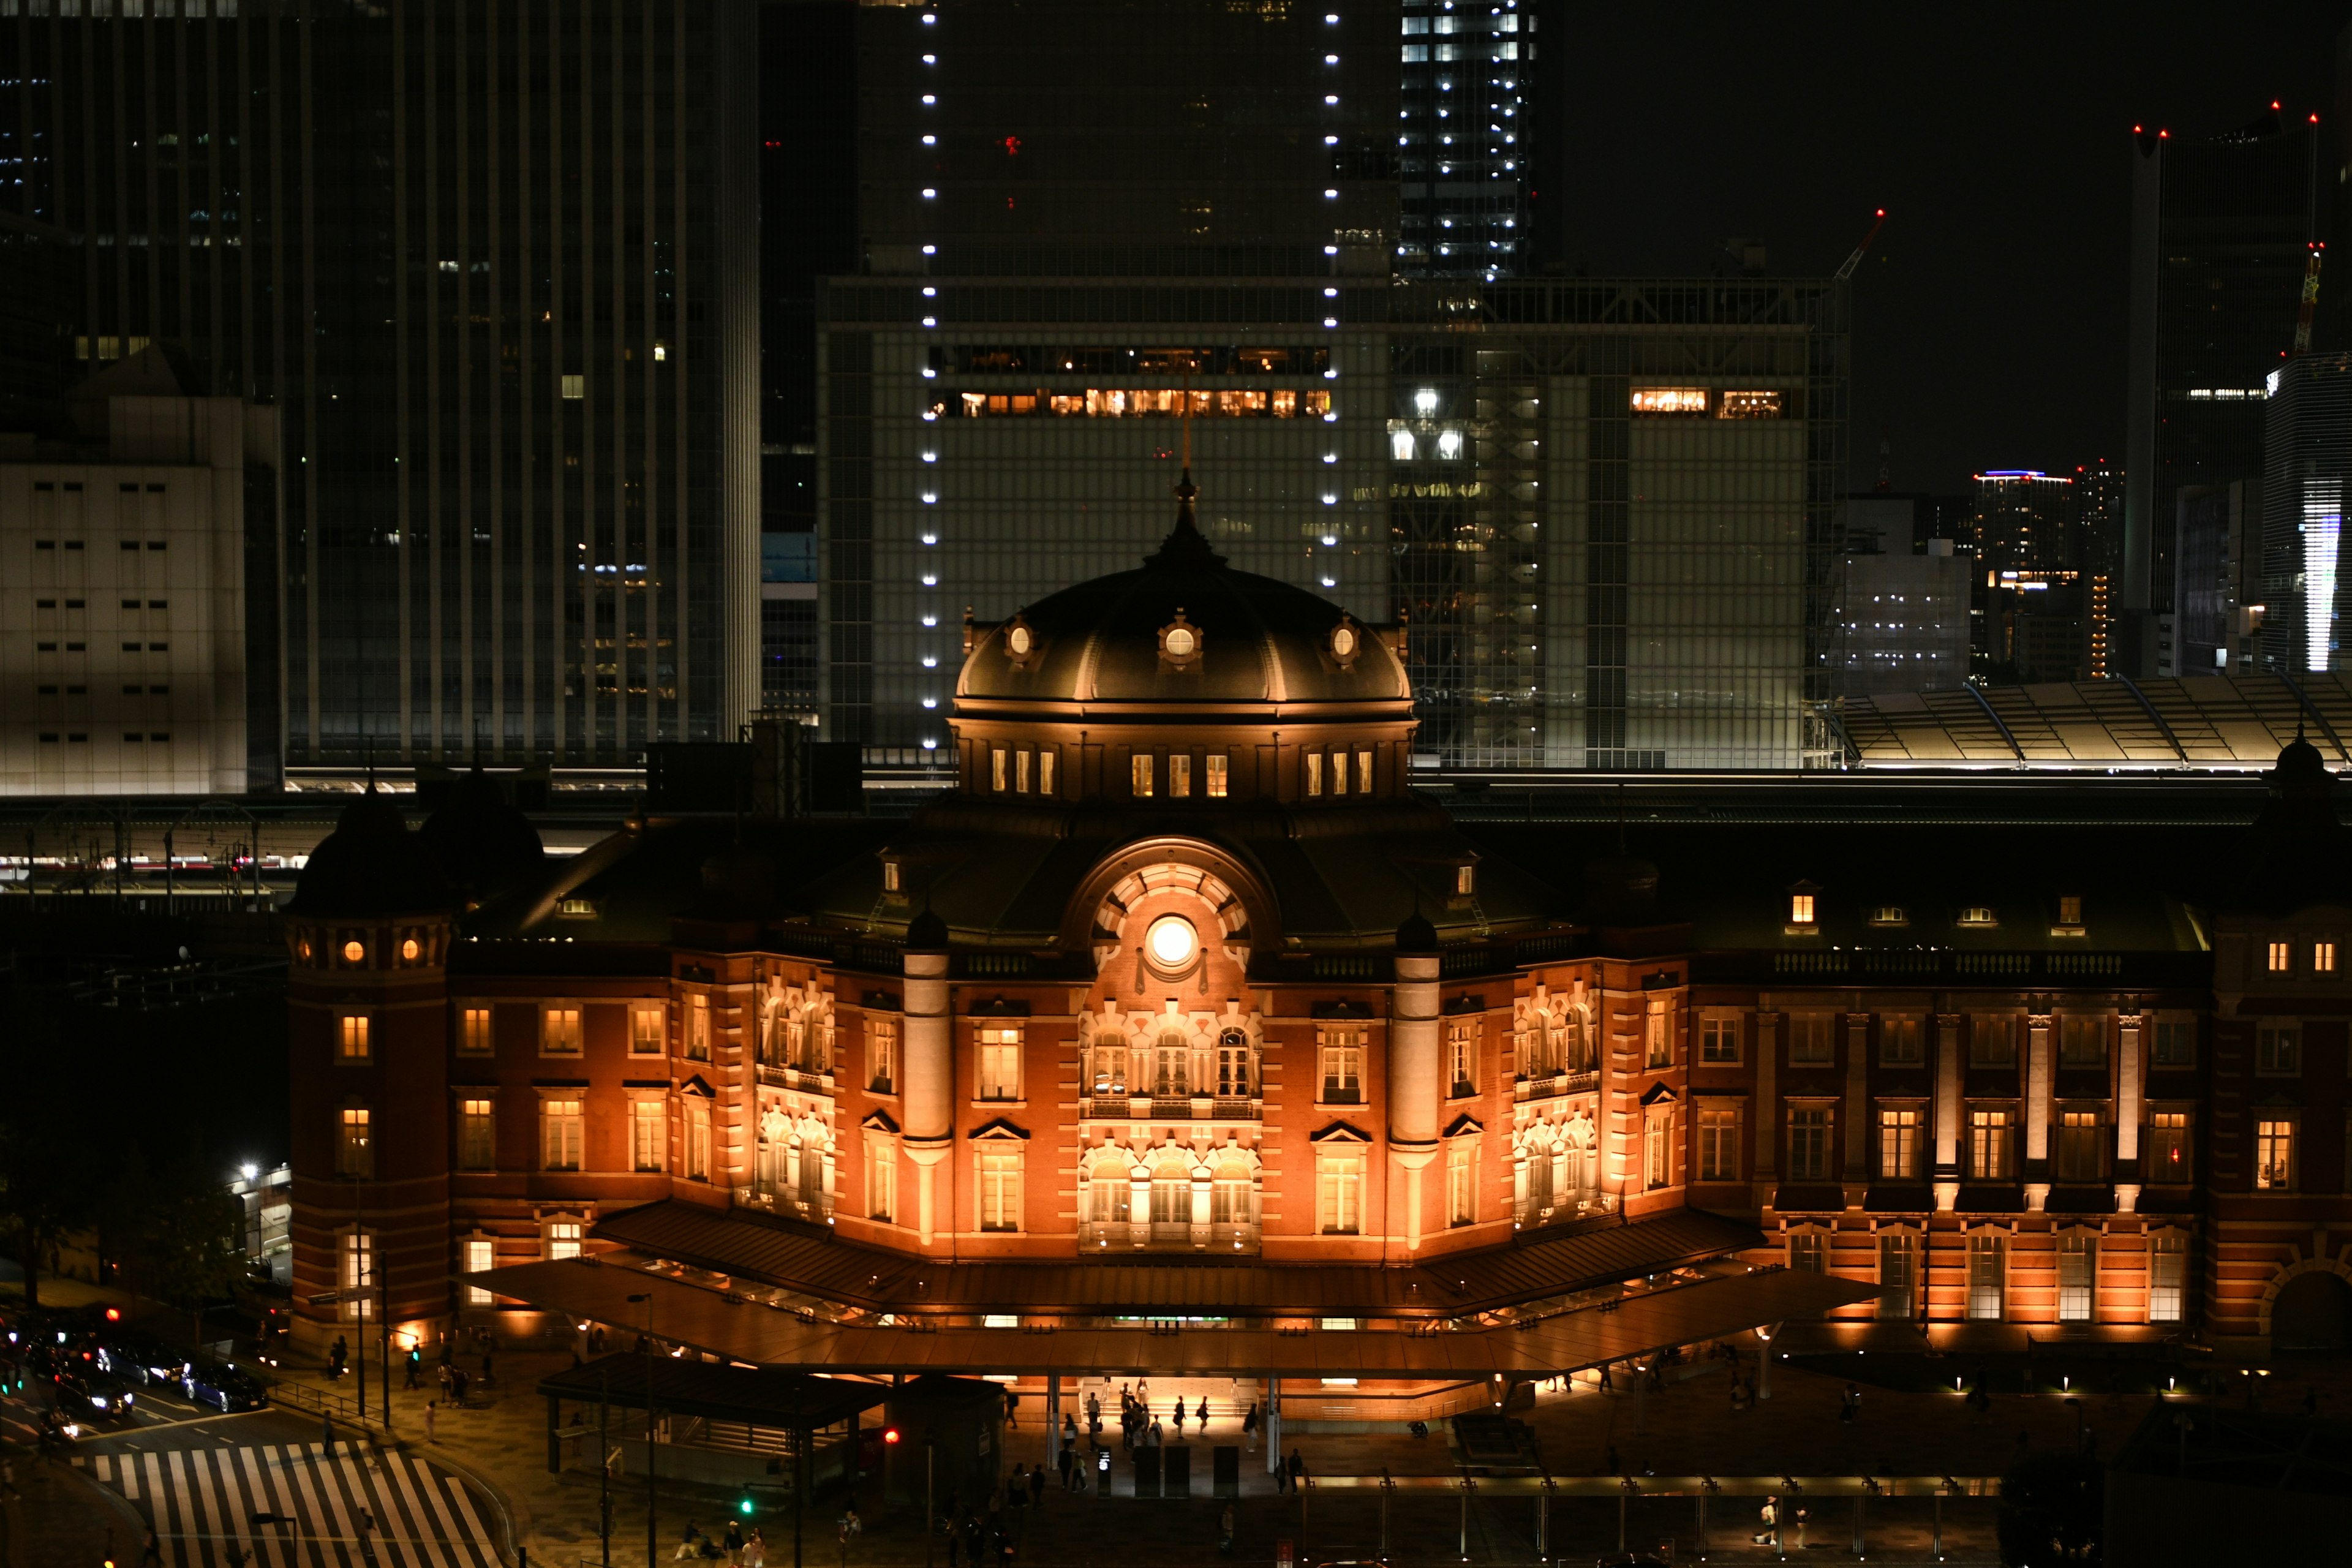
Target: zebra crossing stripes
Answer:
pixel 344 1505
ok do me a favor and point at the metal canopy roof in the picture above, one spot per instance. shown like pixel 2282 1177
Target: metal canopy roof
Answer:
pixel 708 1321
pixel 761 1396
pixel 1457 1285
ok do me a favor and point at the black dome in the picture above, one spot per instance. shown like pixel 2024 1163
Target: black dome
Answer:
pixel 369 866
pixel 1415 936
pixel 1259 639
pixel 926 932
pixel 481 845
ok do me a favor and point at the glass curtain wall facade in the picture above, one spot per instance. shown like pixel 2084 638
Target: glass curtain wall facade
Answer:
pixel 1464 158
pixel 2307 440
pixel 497 268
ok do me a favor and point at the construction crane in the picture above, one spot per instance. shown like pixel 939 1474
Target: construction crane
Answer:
pixel 2310 301
pixel 1846 272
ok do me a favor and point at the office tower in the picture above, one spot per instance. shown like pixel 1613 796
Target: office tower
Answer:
pixel 788 661
pixel 2099 517
pixel 2024 520
pixel 130 653
pixel 2220 239
pixel 1465 153
pixel 2308 449
pixel 1899 622
pixel 496 269
pixel 2218 576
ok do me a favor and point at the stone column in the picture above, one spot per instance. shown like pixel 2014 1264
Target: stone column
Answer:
pixel 931 1079
pixel 1414 1094
pixel 2037 1112
pixel 2130 1106
pixel 1948 1112
pixel 1767 1131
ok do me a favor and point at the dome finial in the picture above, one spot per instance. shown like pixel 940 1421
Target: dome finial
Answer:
pixel 1185 545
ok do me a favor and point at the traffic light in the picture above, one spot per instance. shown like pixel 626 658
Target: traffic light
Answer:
pixel 744 1507
pixel 114 1314
pixel 890 1435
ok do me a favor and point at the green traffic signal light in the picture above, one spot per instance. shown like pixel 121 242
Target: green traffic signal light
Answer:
pixel 744 1507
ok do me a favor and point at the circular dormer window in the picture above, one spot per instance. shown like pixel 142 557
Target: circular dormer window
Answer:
pixel 1020 640
pixel 409 950
pixel 1343 641
pixel 1172 942
pixel 1181 642
pixel 353 951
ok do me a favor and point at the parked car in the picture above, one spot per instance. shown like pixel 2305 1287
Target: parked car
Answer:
pixel 226 1386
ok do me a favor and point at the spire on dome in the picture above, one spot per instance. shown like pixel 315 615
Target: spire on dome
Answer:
pixel 1185 546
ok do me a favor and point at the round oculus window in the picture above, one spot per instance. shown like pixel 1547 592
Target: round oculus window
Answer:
pixel 409 950
pixel 1179 642
pixel 1170 942
pixel 1020 640
pixel 1343 641
pixel 353 951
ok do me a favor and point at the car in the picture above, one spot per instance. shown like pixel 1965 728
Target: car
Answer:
pixel 141 1358
pixel 84 1401
pixel 224 1385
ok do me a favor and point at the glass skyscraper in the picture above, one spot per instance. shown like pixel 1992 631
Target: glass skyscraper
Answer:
pixel 1465 152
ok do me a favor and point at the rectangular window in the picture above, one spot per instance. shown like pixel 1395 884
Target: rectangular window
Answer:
pixel 2175 1045
pixel 996 755
pixel 698 1026
pixel 1343 1053
pixel 1216 763
pixel 1718 1146
pixel 1987 1275
pixel 646 1030
pixel 2277 1048
pixel 1993 1040
pixel 1314 773
pixel 1657 1146
pixel 698 1138
pixel 1465 882
pixel 1179 775
pixel 1363 772
pixel 1658 1040
pixel 559 1029
pixel 882 1055
pixel 2078 1276
pixel 481 1257
pixel 354 1154
pixel 1045 772
pixel 352 1045
pixel 2081 1143
pixel 2282 957
pixel 1809 1252
pixel 563 1130
pixel 1801 908
pixel 359 1275
pixel 1809 1144
pixel 648 1135
pixel 1462 1057
pixel 2070 910
pixel 474 1031
pixel 1021 772
pixel 1338 772
pixel 2323 958
pixel 1988 1142
pixel 1000 1189
pixel 2168 1276
pixel 2167 1147
pixel 2082 1042
pixel 1898 1145
pixel 1898 1042
pixel 881 1178
pixel 1000 1064
pixel 1461 1182
pixel 1808 1039
pixel 563 1239
pixel 1139 771
pixel 1338 1194
pixel 1719 1039
pixel 1899 1278
pixel 477 1135
pixel 2274 1156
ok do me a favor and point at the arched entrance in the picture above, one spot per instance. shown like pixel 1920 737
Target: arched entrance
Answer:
pixel 2313 1313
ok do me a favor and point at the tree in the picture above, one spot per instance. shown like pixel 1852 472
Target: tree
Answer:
pixel 2052 1510
pixel 177 1234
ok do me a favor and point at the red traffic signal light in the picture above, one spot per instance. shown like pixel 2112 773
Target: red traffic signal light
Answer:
pixel 889 1434
pixel 114 1314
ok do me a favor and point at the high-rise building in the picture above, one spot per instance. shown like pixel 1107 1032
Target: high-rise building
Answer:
pixel 2218 576
pixel 498 273
pixel 2222 229
pixel 1464 151
pixel 2024 520
pixel 1900 619
pixel 2307 440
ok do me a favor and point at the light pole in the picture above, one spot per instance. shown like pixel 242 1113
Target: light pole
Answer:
pixel 651 1550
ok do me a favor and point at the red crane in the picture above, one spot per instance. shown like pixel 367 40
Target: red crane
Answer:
pixel 1846 272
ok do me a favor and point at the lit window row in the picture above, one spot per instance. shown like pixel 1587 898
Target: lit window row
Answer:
pixel 1100 403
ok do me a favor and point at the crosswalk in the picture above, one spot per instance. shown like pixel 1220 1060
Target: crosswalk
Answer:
pixel 346 1505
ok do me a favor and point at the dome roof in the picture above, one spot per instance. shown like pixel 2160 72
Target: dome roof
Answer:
pixel 369 866
pixel 1185 629
pixel 481 845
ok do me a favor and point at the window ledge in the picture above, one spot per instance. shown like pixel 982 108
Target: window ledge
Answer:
pixel 1340 1105
pixel 1000 1105
pixel 2070 931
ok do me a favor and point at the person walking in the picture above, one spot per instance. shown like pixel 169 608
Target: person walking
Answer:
pixel 1297 1469
pixel 1036 1485
pixel 432 1415
pixel 1179 1418
pixel 733 1541
pixel 1249 1425
pixel 1606 1386
pixel 1158 1436
pixel 1093 1408
pixel 1201 1415
pixel 1768 1520
pixel 1068 1457
pixel 755 1551
pixel 327 1430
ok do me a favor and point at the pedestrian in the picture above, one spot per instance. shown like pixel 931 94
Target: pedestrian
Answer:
pixel 1852 1401
pixel 1157 1435
pixel 1179 1418
pixel 1225 1531
pixel 446 1370
pixel 1037 1487
pixel 955 1540
pixel 1093 1410
pixel 735 1539
pixel 486 1378
pixel 1065 1459
pixel 1201 1415
pixel 688 1545
pixel 1297 1469
pixel 755 1551
pixel 327 1430
pixel 1802 1517
pixel 1143 1392
pixel 1606 1386
pixel 1768 1520
pixel 1249 1425
pixel 1016 1491
pixel 432 1416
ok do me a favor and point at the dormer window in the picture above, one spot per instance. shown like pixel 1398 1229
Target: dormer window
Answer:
pixel 2282 958
pixel 890 875
pixel 1801 908
pixel 1180 643
pixel 1020 640
pixel 2070 910
pixel 1888 915
pixel 1465 880
pixel 1346 642
pixel 1977 915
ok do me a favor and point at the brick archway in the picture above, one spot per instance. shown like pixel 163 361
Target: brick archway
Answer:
pixel 2287 1274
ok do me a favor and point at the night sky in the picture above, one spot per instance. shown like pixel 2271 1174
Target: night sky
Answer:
pixel 1990 317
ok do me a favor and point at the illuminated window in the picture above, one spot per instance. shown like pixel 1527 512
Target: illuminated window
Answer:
pixel 998 1172
pixel 648 1135
pixel 1718 1146
pixel 1462 1182
pixel 1179 775
pixel 562 1131
pixel 1139 771
pixel 1898 1145
pixel 474 1031
pixel 2323 958
pixel 359 1276
pixel 2277 1048
pixel 352 1043
pixel 881 1177
pixel 1897 1273
pixel 698 1138
pixel 1465 880
pixel 1338 1194
pixel 2168 1276
pixel 1462 1057
pixel 409 950
pixel 2069 912
pixel 1657 1161
pixel 1338 772
pixel 1400 445
pixel 477 1135
pixel 996 756
pixel 890 877
pixel 1809 1251
pixel 2274 1155
pixel 1977 915
pixel 1237 1065
pixel 1993 1040
pixel 2169 1158
pixel 2080 1146
pixel 575 386
pixel 1987 1275
pixel 1669 402
pixel 1363 772
pixel 2078 1276
pixel 2082 1042
pixel 2282 957
pixel 1657 1036
pixel 1801 908
pixel 1343 1053
pixel 1749 406
pixel 1045 772
pixel 882 1055
pixel 1888 915
pixel 355 951
pixel 354 1151
pixel 1808 1039
pixel 1809 1144
pixel 1718 1038
pixel 1989 1145
pixel 1314 773
pixel 698 1026
pixel 563 1238
pixel 1216 763
pixel 559 1029
pixel 648 1028
pixel 1000 1063
pixel 1898 1042
pixel 1021 772
pixel 481 1256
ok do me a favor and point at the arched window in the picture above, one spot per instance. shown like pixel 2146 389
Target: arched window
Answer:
pixel 1229 1192
pixel 767 1158
pixel 1172 1191
pixel 1171 1066
pixel 1113 1183
pixel 1579 1163
pixel 1234 1071
pixel 1578 1057
pixel 1541 1046
pixel 1110 1065
pixel 1540 1156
